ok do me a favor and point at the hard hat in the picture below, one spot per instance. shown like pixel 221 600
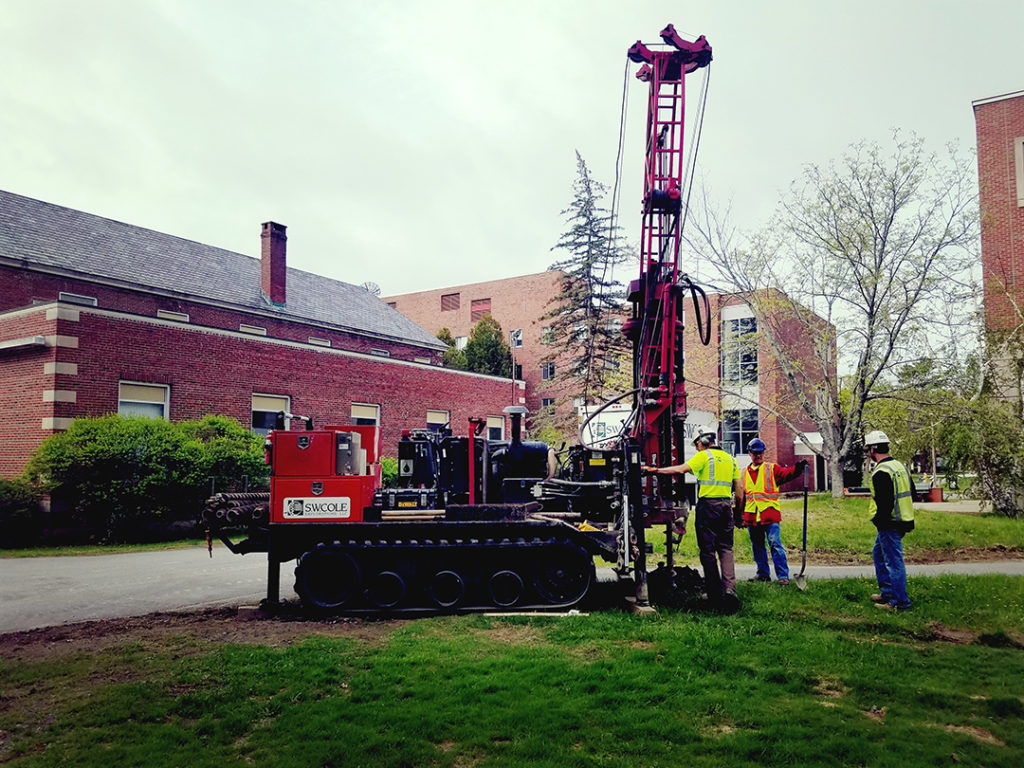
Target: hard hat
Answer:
pixel 703 435
pixel 757 444
pixel 875 437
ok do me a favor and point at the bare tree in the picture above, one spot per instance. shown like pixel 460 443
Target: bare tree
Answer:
pixel 880 245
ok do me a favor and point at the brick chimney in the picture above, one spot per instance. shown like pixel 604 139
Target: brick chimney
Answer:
pixel 274 244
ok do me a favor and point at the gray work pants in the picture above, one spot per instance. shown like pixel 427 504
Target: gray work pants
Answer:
pixel 714 541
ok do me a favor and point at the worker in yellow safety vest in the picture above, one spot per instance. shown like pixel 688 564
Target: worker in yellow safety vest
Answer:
pixel 718 476
pixel 892 511
pixel 762 514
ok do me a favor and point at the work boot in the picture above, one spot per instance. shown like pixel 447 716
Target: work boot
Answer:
pixel 759 578
pixel 885 607
pixel 784 582
pixel 877 598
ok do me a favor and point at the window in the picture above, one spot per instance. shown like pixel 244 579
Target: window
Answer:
pixel 319 341
pixel 518 373
pixel 437 420
pixel 495 427
pixel 547 402
pixel 449 302
pixel 547 335
pixel 149 400
pixel 255 329
pixel 515 338
pixel 461 342
pixel 425 360
pixel 265 409
pixel 478 308
pixel 166 314
pixel 379 352
pixel 77 298
pixel 365 414
pixel 393 304
pixel 739 427
pixel 739 351
pixel 547 370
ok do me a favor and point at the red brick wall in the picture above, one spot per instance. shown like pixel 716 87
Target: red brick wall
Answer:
pixel 20 288
pixel 998 123
pixel 214 371
pixel 516 302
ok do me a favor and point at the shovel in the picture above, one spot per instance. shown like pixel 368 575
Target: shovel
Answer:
pixel 801 580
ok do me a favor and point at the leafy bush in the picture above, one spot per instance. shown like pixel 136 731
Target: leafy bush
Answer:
pixel 20 516
pixel 123 479
pixel 388 472
pixel 990 440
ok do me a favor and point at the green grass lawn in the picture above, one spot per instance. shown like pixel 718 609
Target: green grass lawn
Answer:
pixel 816 678
pixel 839 530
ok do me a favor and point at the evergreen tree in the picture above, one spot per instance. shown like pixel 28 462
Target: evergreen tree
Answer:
pixel 584 313
pixel 453 356
pixel 487 351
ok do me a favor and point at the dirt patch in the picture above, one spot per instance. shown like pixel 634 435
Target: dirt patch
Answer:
pixel 957 636
pixel 877 714
pixel 922 556
pixel 985 737
pixel 212 625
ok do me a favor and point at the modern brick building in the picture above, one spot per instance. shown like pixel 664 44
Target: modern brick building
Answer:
pixel 738 359
pixel 98 316
pixel 518 304
pixel 1000 130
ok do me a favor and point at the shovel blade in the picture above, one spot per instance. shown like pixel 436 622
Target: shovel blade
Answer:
pixel 801 583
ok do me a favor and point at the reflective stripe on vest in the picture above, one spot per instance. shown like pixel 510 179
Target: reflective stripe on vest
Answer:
pixel 710 483
pixel 762 492
pixel 903 509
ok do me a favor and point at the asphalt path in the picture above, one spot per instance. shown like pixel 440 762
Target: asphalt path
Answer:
pixel 48 591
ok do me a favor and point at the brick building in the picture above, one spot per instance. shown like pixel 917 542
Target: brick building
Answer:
pixel 1000 133
pixel 98 316
pixel 738 359
pixel 518 304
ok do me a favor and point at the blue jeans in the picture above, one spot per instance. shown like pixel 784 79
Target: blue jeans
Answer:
pixel 889 568
pixel 758 535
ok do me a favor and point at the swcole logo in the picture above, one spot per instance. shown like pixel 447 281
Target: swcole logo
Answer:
pixel 335 507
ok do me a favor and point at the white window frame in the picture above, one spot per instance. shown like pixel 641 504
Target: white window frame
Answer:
pixel 287 407
pixel 77 298
pixel 498 423
pixel 256 330
pixel 126 398
pixel 438 419
pixel 168 314
pixel 361 413
pixel 319 341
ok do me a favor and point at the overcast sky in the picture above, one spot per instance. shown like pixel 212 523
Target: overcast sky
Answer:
pixel 427 143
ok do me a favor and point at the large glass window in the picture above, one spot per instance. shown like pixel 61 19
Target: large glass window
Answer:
pixel 137 399
pixel 739 351
pixel 365 414
pixel 739 427
pixel 265 409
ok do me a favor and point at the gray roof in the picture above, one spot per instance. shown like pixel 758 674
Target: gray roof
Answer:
pixel 43 235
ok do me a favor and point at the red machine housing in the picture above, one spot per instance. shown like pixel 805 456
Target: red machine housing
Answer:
pixel 323 476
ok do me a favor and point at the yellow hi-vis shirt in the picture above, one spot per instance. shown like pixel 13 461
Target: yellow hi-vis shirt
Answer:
pixel 715 470
pixel 903 509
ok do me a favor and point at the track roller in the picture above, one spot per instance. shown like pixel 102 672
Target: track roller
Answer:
pixel 447 589
pixel 505 588
pixel 327 577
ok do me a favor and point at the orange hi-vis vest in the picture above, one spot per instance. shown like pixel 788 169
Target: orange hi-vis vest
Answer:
pixel 762 507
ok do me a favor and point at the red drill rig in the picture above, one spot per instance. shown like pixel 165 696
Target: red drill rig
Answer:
pixel 479 524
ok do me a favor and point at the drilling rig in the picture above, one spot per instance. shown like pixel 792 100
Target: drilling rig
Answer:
pixel 479 524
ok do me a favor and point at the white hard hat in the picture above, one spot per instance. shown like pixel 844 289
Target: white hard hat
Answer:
pixel 875 437
pixel 703 435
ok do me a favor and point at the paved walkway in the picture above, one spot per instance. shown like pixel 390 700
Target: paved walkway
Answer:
pixel 47 591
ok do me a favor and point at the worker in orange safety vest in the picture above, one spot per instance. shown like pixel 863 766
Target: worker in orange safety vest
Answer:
pixel 762 513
